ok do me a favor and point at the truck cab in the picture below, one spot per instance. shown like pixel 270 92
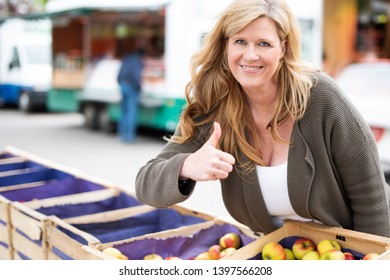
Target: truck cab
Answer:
pixel 25 64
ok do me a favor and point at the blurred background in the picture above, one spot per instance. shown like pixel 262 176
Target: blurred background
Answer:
pixel 59 59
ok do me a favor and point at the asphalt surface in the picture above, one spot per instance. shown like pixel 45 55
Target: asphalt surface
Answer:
pixel 63 139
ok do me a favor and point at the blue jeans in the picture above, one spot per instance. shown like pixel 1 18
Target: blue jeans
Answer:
pixel 127 125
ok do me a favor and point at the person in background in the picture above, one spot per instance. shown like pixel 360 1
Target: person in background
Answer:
pixel 279 134
pixel 129 79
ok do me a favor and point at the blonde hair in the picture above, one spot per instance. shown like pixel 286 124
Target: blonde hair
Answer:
pixel 213 94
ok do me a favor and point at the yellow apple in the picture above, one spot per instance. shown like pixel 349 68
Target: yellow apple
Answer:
pixel 115 253
pixel 333 255
pixel 312 255
pixel 153 257
pixel 289 254
pixel 227 252
pixel 302 246
pixel 326 245
pixel 214 252
pixel 273 251
pixel 202 256
pixel 230 240
pixel 371 256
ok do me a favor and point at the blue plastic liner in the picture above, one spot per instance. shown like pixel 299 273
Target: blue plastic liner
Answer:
pixel 66 186
pixel 6 155
pixel 184 247
pixel 123 200
pixel 31 175
pixel 153 221
pixel 19 165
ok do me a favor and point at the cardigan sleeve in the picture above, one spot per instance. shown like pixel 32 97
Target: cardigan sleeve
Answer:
pixel 157 182
pixel 357 164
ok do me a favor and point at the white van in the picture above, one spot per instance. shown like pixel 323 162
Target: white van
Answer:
pixel 25 63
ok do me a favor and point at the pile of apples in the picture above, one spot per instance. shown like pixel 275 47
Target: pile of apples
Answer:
pixel 227 244
pixel 306 249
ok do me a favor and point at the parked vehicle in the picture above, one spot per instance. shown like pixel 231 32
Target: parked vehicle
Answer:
pixel 367 85
pixel 25 63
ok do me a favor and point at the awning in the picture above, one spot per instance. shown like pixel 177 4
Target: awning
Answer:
pixel 55 6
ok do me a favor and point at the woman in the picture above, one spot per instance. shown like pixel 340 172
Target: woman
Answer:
pixel 280 136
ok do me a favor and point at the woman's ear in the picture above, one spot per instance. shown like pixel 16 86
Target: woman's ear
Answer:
pixel 283 48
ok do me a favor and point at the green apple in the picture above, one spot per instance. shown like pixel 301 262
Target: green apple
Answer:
pixel 370 256
pixel 230 239
pixel 302 246
pixel 153 257
pixel 214 252
pixel 333 255
pixel 289 254
pixel 312 255
pixel 326 245
pixel 273 251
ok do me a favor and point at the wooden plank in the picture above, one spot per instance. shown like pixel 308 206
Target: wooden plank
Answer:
pixel 112 215
pixel 85 197
pixel 11 160
pixel 29 222
pixel 26 247
pixel 64 243
pixel 25 185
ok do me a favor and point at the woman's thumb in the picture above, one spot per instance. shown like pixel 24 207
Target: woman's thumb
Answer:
pixel 214 138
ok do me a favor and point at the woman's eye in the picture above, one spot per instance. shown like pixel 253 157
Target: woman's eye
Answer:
pixel 264 44
pixel 240 42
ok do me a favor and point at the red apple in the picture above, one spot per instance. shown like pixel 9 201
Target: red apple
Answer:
pixel 349 256
pixel 214 252
pixel 371 256
pixel 273 251
pixel 326 245
pixel 333 255
pixel 302 246
pixel 230 240
pixel 172 258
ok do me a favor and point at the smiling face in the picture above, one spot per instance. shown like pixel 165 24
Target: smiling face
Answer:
pixel 254 54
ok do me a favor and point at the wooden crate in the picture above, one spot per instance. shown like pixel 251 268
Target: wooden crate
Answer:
pixel 185 243
pixel 5 234
pixel 72 231
pixel 360 242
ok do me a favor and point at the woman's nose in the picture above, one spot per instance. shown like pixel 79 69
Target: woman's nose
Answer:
pixel 251 54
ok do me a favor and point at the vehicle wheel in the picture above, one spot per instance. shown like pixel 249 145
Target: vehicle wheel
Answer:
pixel 105 123
pixel 24 102
pixel 90 113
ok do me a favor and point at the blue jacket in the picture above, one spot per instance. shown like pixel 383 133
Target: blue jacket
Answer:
pixel 131 70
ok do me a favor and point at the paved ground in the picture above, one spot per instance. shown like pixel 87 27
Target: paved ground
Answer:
pixel 63 139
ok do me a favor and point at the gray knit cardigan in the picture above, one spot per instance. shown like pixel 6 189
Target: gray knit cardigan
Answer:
pixel 334 171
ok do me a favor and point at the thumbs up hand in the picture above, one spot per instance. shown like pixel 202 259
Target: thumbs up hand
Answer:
pixel 208 163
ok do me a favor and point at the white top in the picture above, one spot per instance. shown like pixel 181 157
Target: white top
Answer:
pixel 273 186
